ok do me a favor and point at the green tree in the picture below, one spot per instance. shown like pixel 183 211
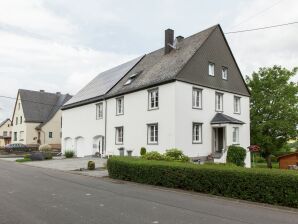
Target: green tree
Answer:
pixel 273 108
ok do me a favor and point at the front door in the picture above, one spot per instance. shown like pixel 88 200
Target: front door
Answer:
pixel 218 139
pixel 101 147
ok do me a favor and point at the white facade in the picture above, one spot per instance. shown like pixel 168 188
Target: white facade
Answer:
pixel 86 134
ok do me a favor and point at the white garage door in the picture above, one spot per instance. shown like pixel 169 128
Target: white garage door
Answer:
pixel 80 147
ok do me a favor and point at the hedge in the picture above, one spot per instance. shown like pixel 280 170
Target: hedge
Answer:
pixel 279 187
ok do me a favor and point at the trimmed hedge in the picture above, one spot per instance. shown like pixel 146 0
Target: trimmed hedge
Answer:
pixel 278 187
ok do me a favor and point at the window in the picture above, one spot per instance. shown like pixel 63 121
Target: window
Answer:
pixel 224 73
pixel 21 136
pixel 4 133
pixel 99 111
pixel 219 102
pixel 211 69
pixel 235 135
pixel 17 120
pixel 19 106
pixel 132 78
pixel 197 98
pixel 152 133
pixel 237 107
pixel 120 106
pixel 197 133
pixel 21 120
pixel 153 99
pixel 15 136
pixel 50 134
pixel 119 135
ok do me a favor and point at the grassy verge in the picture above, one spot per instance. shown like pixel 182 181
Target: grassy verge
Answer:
pixel 23 160
pixel 264 165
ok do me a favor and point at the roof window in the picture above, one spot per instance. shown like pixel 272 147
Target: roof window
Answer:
pixel 132 77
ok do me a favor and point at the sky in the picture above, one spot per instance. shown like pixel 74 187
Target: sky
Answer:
pixel 60 45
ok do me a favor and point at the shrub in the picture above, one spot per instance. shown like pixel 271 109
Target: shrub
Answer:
pixel 36 156
pixel 69 153
pixel 143 151
pixel 91 165
pixel 27 156
pixel 261 185
pixel 154 155
pixel 236 155
pixel 176 154
pixel 45 148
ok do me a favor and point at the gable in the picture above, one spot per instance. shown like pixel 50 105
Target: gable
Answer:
pixel 215 50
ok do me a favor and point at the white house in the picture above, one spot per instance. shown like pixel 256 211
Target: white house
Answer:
pixel 190 95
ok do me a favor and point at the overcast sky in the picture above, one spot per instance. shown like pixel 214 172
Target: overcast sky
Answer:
pixel 60 45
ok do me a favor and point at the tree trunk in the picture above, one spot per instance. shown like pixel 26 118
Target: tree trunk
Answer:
pixel 268 160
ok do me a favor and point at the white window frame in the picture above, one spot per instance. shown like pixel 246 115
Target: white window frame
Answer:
pixel 119 135
pixel 224 73
pixel 197 133
pixel 5 134
pixel 235 135
pixel 211 69
pixel 21 136
pixel 99 111
pixel 120 105
pixel 218 102
pixel 152 134
pixel 197 98
pixel 237 104
pixel 153 99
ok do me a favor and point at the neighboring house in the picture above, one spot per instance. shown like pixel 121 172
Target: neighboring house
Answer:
pixel 37 117
pixel 190 95
pixel 5 132
pixel 287 160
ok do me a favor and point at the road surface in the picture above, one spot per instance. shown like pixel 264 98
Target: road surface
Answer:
pixel 36 195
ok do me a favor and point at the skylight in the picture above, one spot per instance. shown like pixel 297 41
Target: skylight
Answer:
pixel 132 77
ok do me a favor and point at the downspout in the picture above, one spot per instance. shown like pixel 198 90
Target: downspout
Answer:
pixel 105 137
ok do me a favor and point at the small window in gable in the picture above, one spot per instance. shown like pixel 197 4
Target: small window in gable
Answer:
pixel 211 68
pixel 132 78
pixel 224 73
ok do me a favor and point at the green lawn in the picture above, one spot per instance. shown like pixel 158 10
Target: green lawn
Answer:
pixel 264 165
pixel 23 160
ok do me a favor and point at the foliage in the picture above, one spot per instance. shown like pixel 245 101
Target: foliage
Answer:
pixel 23 160
pixel 143 151
pixel 69 153
pixel 45 148
pixel 37 156
pixel 27 156
pixel 236 155
pixel 261 185
pixel 91 165
pixel 176 154
pixel 273 108
pixel 154 155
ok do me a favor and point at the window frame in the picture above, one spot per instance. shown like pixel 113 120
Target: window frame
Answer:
pixel 17 120
pixel 117 107
pixel 200 141
pixel 239 105
pixel 237 135
pixel 50 134
pixel 216 102
pixel 224 68
pixel 117 136
pixel 156 136
pixel 98 105
pixel 149 99
pixel 200 90
pixel 211 64
pixel 15 136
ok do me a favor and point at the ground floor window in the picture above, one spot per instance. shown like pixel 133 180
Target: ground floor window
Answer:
pixel 119 135
pixel 50 134
pixel 15 136
pixel 197 133
pixel 235 135
pixel 152 135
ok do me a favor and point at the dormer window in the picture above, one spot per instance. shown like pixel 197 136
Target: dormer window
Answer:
pixel 211 69
pixel 224 73
pixel 132 78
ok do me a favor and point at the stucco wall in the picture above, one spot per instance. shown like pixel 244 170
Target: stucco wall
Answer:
pixel 5 127
pixel 54 126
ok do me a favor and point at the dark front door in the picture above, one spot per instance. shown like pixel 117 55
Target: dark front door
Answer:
pixel 220 139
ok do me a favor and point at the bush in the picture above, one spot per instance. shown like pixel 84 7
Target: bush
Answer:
pixel 236 155
pixel 69 153
pixel 27 156
pixel 278 187
pixel 45 148
pixel 37 156
pixel 143 151
pixel 176 154
pixel 154 155
pixel 91 165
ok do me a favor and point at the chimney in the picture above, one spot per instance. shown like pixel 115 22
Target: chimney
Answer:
pixel 169 40
pixel 42 91
pixel 179 38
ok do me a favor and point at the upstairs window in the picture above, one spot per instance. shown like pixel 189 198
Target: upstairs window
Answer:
pixel 99 111
pixel 17 120
pixel 119 135
pixel 152 135
pixel 19 106
pixel 219 102
pixel 197 98
pixel 197 133
pixel 120 106
pixel 153 99
pixel 237 108
pixel 15 136
pixel 50 134
pixel 4 133
pixel 235 139
pixel 224 73
pixel 21 120
pixel 211 68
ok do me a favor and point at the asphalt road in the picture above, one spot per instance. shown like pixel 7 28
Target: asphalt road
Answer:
pixel 35 195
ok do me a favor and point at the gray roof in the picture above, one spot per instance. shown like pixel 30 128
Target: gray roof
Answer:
pixel 3 122
pixel 103 82
pixel 157 68
pixel 40 107
pixel 221 118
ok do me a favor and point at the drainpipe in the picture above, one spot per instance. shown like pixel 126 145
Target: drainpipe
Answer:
pixel 105 137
